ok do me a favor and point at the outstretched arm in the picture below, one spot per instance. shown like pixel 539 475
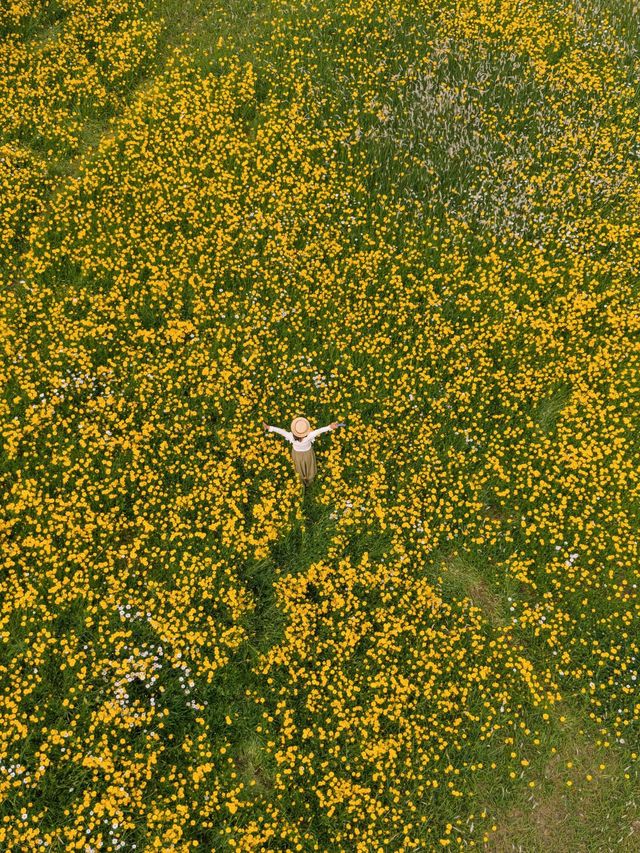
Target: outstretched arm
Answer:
pixel 319 431
pixel 281 432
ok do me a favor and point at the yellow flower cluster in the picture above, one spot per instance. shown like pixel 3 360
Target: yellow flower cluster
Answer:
pixel 68 61
pixel 388 697
pixel 419 218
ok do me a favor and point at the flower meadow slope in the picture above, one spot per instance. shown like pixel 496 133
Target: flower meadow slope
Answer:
pixel 419 218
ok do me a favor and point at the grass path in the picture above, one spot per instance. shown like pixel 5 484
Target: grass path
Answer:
pixel 587 800
pixel 584 804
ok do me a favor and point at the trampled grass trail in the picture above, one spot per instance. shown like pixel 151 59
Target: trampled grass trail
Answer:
pixel 421 219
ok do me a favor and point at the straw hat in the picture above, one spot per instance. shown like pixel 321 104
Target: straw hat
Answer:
pixel 300 427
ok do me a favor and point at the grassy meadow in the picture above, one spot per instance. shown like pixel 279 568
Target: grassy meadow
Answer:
pixel 420 218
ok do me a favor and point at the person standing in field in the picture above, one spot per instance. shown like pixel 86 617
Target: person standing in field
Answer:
pixel 302 438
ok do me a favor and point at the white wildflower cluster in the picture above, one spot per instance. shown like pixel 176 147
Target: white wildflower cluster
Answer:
pixel 186 681
pixel 348 506
pixel 14 770
pixel 97 386
pixel 573 555
pixel 146 665
pixel 127 613
pixel 319 379
pixel 112 830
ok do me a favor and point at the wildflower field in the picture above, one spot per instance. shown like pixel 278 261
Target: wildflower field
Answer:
pixel 420 218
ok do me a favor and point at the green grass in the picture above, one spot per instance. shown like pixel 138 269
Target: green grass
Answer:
pixel 438 159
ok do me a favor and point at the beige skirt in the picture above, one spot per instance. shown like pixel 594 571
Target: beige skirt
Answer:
pixel 304 461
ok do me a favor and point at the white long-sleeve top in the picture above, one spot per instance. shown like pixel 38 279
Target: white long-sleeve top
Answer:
pixel 304 443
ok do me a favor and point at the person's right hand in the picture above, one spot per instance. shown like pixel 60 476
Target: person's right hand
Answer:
pixel 335 425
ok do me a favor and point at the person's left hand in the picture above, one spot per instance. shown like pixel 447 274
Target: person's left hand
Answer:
pixel 335 425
